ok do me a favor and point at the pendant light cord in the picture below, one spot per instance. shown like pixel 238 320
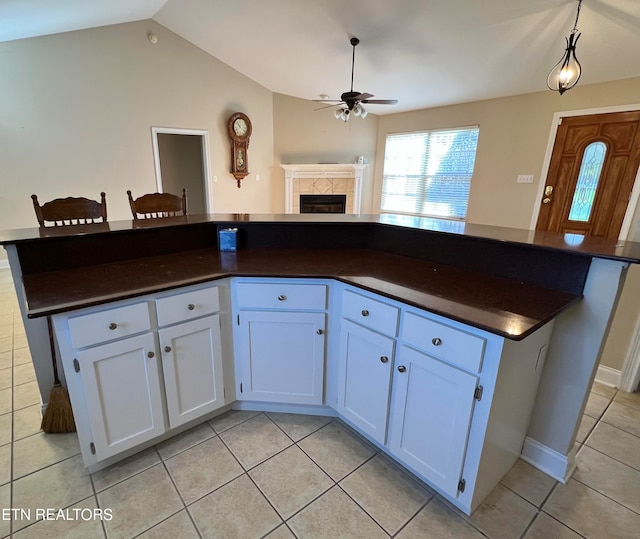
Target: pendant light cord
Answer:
pixel 575 24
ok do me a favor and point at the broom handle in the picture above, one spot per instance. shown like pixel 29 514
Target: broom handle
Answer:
pixel 52 343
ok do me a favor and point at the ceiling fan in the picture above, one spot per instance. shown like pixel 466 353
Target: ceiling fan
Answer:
pixel 351 102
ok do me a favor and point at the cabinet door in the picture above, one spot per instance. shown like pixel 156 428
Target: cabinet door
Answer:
pixel 366 360
pixel 432 410
pixel 282 356
pixel 192 364
pixel 121 383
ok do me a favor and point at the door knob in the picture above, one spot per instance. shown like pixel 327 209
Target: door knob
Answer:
pixel 191 306
pixel 113 326
pixel 402 368
pixel 167 349
pixel 384 359
pixel 150 354
pixel 437 341
pixel 320 331
pixel 548 190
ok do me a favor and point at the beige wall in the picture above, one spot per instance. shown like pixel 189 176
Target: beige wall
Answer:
pixel 514 132
pixel 305 135
pixel 76 111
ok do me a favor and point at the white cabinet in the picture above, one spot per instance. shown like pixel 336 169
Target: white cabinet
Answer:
pixel 280 347
pixel 433 406
pixel 364 379
pixel 131 381
pixel 455 401
pixel 192 365
pixel 282 356
pixel 121 386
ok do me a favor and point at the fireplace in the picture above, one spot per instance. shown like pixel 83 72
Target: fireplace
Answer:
pixel 323 203
pixel 326 180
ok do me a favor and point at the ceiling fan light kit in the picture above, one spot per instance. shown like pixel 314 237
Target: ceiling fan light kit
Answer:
pixel 566 73
pixel 350 103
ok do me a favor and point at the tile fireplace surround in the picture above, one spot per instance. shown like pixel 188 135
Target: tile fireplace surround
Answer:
pixel 324 179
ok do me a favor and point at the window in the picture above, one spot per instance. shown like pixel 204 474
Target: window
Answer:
pixel 429 173
pixel 588 179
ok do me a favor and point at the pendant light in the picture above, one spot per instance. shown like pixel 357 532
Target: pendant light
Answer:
pixel 566 73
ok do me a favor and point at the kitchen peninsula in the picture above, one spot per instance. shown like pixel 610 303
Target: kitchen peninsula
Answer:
pixel 388 279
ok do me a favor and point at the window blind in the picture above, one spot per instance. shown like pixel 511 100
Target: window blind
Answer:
pixel 429 173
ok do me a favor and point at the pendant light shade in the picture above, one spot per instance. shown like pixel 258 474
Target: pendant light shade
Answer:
pixel 566 73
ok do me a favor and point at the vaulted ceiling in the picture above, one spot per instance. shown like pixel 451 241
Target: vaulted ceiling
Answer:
pixel 424 53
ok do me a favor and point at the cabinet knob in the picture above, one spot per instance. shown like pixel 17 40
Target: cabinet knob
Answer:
pixel 151 354
pixel 167 349
pixel 320 331
pixel 437 341
pixel 191 306
pixel 282 297
pixel 402 368
pixel 113 326
pixel 364 312
pixel 384 359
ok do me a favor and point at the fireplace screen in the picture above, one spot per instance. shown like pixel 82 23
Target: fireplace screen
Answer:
pixel 323 203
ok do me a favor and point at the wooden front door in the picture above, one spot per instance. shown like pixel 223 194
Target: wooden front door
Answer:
pixel 593 167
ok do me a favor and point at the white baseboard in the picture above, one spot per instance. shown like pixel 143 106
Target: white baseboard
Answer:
pixel 545 459
pixel 608 376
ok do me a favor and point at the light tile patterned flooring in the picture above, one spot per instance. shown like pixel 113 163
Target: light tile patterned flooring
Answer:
pixel 246 475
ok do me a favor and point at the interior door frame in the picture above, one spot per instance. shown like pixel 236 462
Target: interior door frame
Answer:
pixel 630 374
pixel 634 199
pixel 206 159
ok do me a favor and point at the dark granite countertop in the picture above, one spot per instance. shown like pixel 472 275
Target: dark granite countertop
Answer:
pixel 506 307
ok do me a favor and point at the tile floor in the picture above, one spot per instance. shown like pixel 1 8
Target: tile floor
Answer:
pixel 246 475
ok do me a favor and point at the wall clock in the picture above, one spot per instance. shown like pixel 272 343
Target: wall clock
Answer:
pixel 239 127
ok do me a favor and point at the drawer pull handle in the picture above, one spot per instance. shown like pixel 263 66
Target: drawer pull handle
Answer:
pixel 320 331
pixel 167 349
pixel 113 326
pixel 437 341
pixel 384 359
pixel 402 368
pixel 191 306
pixel 150 354
pixel 364 312
pixel 282 297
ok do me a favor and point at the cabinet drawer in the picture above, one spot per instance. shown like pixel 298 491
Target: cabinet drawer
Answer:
pixel 451 344
pixel 102 326
pixel 187 305
pixel 370 313
pixel 282 296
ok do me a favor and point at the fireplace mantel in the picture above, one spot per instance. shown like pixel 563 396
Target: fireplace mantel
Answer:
pixel 326 171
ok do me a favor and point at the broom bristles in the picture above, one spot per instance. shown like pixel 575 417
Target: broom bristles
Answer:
pixel 58 417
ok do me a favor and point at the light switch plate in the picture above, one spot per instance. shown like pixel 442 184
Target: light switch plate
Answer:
pixel 525 178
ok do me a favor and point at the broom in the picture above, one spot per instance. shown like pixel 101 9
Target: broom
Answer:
pixel 58 417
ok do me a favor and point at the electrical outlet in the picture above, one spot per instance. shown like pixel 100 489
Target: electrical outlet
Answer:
pixel 525 178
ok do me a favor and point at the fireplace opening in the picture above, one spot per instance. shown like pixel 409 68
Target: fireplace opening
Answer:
pixel 323 203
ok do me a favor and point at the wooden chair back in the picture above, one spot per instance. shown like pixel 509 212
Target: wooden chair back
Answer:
pixel 158 205
pixel 71 211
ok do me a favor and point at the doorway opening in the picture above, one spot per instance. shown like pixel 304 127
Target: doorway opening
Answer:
pixel 182 160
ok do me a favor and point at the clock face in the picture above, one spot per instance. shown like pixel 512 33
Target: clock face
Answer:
pixel 240 127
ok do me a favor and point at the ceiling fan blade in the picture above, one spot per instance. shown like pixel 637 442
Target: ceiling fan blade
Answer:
pixel 380 101
pixel 327 100
pixel 361 97
pixel 329 106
